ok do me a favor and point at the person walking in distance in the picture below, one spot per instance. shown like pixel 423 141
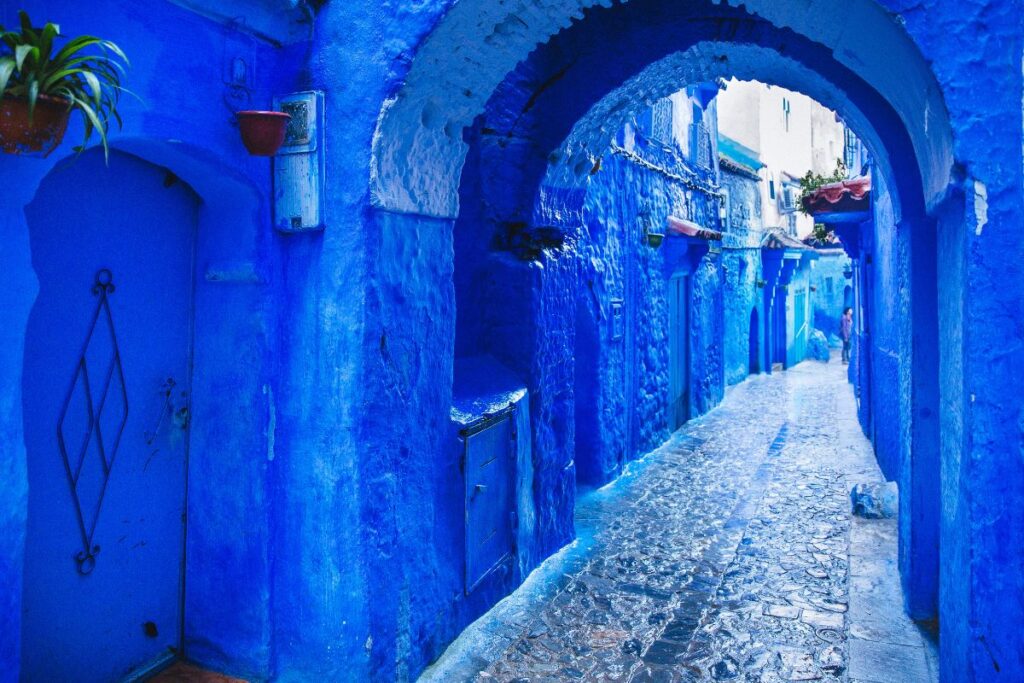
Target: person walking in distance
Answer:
pixel 846 332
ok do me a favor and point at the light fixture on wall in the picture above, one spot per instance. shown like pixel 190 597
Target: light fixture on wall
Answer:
pixel 654 239
pixel 648 232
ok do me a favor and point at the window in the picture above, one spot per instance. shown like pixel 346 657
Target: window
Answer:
pixel 661 122
pixel 725 211
pixel 700 140
pixel 787 198
pixel 785 113
pixel 701 145
pixel 771 188
pixel 850 150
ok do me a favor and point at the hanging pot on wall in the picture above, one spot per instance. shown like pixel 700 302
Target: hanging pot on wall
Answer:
pixel 39 134
pixel 263 131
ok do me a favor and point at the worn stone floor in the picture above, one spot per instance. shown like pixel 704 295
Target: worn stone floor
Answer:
pixel 727 554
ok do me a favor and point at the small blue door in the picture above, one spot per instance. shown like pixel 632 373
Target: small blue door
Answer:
pixel 679 347
pixel 754 360
pixel 490 490
pixel 105 392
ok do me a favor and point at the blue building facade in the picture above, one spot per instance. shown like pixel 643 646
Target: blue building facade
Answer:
pixel 832 280
pixel 322 392
pixel 648 348
pixel 745 321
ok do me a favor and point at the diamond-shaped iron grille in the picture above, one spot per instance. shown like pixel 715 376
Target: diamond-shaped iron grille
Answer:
pixel 92 420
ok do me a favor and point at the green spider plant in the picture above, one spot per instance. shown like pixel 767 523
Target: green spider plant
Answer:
pixel 85 73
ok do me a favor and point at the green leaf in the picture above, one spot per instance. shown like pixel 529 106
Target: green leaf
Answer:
pixel 26 27
pixel 6 69
pixel 23 51
pixel 33 95
pixel 50 31
pixel 116 50
pixel 93 121
pixel 74 45
pixel 94 85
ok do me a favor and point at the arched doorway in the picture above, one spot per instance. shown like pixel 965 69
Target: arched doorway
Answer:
pixel 106 395
pixel 143 217
pixel 549 120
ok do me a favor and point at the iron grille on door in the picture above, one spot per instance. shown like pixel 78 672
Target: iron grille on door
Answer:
pixel 489 467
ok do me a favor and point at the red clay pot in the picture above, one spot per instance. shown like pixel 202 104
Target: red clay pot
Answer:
pixel 263 131
pixel 41 134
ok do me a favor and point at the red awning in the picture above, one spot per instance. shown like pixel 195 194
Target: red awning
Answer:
pixel 685 228
pixel 846 196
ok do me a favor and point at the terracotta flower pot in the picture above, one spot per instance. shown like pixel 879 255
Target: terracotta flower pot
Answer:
pixel 41 134
pixel 263 131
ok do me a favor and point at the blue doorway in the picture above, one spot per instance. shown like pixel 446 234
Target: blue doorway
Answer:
pixel 679 350
pixel 106 384
pixel 779 341
pixel 753 360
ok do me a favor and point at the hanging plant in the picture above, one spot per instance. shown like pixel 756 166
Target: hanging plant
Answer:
pixel 40 86
pixel 808 185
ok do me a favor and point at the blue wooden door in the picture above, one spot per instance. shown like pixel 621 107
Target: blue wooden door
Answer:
pixel 679 346
pixel 753 360
pixel 105 391
pixel 489 465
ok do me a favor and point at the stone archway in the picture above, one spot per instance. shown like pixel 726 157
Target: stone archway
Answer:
pixel 418 149
pixel 547 120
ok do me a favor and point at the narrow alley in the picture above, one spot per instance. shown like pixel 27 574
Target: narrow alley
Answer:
pixel 520 341
pixel 728 554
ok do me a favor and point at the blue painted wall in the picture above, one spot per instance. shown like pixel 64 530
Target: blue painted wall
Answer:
pixel 334 414
pixel 622 385
pixel 179 122
pixel 830 283
pixel 741 260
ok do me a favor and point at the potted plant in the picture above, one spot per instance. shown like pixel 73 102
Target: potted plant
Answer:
pixel 263 131
pixel 41 85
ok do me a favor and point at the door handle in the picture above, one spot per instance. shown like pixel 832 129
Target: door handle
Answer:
pixel 180 415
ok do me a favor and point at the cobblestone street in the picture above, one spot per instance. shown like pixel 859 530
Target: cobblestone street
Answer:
pixel 728 554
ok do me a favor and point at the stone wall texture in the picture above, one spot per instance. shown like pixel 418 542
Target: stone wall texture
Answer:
pixel 470 203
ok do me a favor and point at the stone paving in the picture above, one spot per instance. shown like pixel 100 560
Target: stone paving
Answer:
pixel 729 554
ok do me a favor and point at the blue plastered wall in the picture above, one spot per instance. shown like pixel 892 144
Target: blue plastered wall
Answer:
pixel 178 121
pixel 982 583
pixel 332 299
pixel 888 340
pixel 798 311
pixel 829 280
pixel 623 384
pixel 741 259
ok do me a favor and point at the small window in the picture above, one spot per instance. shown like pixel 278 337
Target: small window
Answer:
pixel 661 122
pixel 850 150
pixel 787 198
pixel 771 188
pixel 725 212
pixel 785 112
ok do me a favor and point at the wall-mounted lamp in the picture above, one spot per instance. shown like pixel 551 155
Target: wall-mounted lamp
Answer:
pixel 649 233
pixel 654 239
